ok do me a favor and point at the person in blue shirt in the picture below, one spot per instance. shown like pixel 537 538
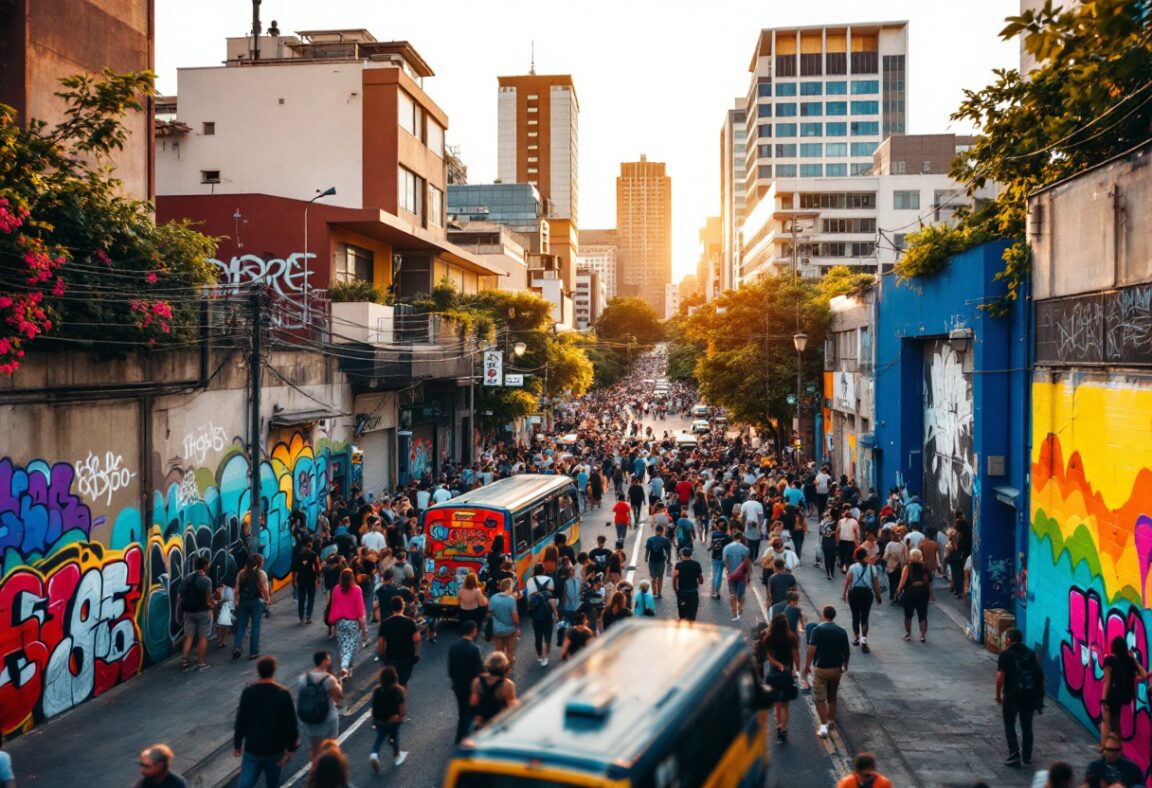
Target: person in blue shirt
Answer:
pixel 794 495
pixel 582 486
pixel 638 467
pixel 913 511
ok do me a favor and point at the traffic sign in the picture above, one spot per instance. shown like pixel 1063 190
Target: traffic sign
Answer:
pixel 513 380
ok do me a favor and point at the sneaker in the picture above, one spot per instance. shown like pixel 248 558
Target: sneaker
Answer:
pixel 735 618
pixel 864 648
pixel 1012 761
pixel 540 661
pixel 822 731
pixel 783 737
pixel 1027 761
pixel 201 668
pixel 374 760
pixel 403 756
pixel 544 662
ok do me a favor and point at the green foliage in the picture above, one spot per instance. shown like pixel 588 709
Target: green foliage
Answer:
pixel 932 248
pixel 1086 102
pixel 683 354
pixel 118 278
pixel 357 290
pixel 842 280
pixel 630 320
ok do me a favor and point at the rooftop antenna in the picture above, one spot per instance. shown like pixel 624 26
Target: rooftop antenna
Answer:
pixel 256 27
pixel 532 68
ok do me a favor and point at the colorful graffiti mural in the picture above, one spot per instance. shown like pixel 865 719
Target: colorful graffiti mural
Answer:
pixel 88 601
pixel 458 541
pixel 1090 542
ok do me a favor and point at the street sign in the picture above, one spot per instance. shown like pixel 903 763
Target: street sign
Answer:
pixel 493 367
pixel 513 380
pixel 791 399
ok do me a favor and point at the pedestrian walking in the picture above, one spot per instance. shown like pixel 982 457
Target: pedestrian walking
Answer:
pixel 861 586
pixel 827 658
pixel 847 538
pixel 687 577
pixel 1113 768
pixel 1122 672
pixel 894 557
pixel 828 545
pixel 265 735
pixel 317 694
pixel 398 641
pixel 389 710
pixel 472 602
pixel 657 550
pixel 645 603
pixel 465 663
pixel 615 610
pixel 738 564
pixel 621 516
pixel 505 622
pixel 155 769
pixel 196 602
pixel 717 540
pixel 542 610
pixel 577 637
pixel 915 592
pixel 349 615
pixel 331 768
pixel 492 690
pixel 864 774
pixel 306 579
pixel 253 597
pixel 778 652
pixel 1020 691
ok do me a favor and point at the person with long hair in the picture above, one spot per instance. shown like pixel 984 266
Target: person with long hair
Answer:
pixel 350 617
pixel 861 586
pixel 616 609
pixel 778 653
pixel 389 709
pixel 915 590
pixel 1122 671
pixel 473 603
pixel 331 767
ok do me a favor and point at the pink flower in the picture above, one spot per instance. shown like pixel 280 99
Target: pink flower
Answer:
pixel 151 278
pixel 102 256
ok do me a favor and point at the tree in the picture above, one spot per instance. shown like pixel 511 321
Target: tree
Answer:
pixel 629 320
pixel 1089 99
pixel 78 260
pixel 682 353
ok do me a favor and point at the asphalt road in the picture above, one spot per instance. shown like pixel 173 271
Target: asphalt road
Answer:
pixel 804 761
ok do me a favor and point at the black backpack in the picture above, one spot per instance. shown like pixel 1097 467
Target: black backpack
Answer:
pixel 192 597
pixel 312 701
pixel 538 605
pixel 1029 680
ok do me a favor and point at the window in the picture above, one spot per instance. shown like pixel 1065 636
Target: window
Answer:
pixel 861 169
pixel 849 225
pixel 411 191
pixel 533 109
pixel 927 167
pixel 811 65
pixel 785 170
pixel 839 129
pixel 839 200
pixel 811 171
pixel 407 113
pixel 764 131
pixel 865 107
pixel 863 148
pixel 785 151
pixel 865 87
pixel 837 62
pixel 763 89
pixel 785 88
pixel 836 88
pixel 811 109
pixel 785 65
pixel 543 521
pixel 764 171
pixel 209 176
pixel 532 159
pixel 764 151
pixel 533 122
pixel 906 201
pixel 785 129
pixel 533 146
pixel 764 110
pixel 836 107
pixel 533 134
pixel 865 62
pixel 836 149
pixel 865 128
pixel 811 150
pixel 786 110
pixel 435 206
pixel 209 128
pixel 811 129
pixel 899 167
pixel 435 138
pixel 567 508
pixel 899 240
pixel 353 264
pixel 836 170
pixel 522 532
pixel 847 249
pixel 811 88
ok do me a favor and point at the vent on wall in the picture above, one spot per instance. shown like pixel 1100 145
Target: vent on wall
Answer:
pixel 209 176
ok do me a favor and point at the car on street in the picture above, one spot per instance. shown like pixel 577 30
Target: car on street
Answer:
pixel 699 411
pixel 701 426
pixel 686 440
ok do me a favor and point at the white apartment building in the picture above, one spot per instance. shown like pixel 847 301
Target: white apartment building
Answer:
pixel 589 298
pixel 598 254
pixel 732 200
pixel 671 300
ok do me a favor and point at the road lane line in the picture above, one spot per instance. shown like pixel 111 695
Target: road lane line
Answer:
pixel 303 772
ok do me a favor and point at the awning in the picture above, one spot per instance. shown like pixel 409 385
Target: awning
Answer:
pixel 867 440
pixel 291 418
pixel 404 236
pixel 1008 495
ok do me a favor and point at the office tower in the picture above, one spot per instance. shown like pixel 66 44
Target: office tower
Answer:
pixel 598 252
pixel 644 231
pixel 732 161
pixel 708 267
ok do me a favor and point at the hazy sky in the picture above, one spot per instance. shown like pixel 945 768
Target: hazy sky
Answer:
pixel 652 76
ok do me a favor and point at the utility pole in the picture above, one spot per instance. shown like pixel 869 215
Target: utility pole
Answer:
pixel 256 369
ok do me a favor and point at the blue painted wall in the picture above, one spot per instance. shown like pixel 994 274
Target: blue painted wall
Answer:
pixel 916 317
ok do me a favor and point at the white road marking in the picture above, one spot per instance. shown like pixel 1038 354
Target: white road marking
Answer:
pixel 636 549
pixel 303 772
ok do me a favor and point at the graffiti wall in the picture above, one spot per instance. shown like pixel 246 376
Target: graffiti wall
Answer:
pixel 89 587
pixel 1090 540
pixel 949 462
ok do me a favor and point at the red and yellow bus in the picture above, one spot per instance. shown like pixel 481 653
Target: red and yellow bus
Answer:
pixel 525 512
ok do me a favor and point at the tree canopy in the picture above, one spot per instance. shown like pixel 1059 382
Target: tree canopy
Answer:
pixel 629 320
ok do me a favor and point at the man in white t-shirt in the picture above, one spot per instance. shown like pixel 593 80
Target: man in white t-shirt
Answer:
pixel 442 494
pixel 374 538
pixel 914 538
pixel 752 514
pixel 848 536
pixel 822 481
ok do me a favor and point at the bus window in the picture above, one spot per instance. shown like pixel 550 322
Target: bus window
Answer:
pixel 540 523
pixel 523 532
pixel 567 509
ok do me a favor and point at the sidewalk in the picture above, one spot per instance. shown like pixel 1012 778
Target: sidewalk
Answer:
pixel 98 743
pixel 927 710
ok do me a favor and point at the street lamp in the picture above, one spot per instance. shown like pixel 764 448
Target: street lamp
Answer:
pixel 799 341
pixel 519 349
pixel 329 192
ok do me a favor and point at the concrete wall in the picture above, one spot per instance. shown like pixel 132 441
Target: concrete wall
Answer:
pixel 851 391
pixel 951 414
pixel 104 504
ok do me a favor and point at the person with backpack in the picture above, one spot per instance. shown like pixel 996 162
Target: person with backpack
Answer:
pixel 389 709
pixel 568 597
pixel 1020 691
pixel 306 579
pixel 196 603
pixel 861 585
pixel 542 611
pixel 252 597
pixel 317 693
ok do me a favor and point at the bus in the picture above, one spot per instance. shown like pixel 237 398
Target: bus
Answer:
pixel 649 705
pixel 526 511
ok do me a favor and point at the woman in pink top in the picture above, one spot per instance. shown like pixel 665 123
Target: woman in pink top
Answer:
pixel 349 614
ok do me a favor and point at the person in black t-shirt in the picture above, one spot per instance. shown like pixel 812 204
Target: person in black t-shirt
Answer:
pixel 828 653
pixel 599 554
pixel 399 642
pixel 687 577
pixel 306 579
pixel 1113 768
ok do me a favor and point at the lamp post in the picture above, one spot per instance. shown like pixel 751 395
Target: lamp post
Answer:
pixel 799 341
pixel 329 192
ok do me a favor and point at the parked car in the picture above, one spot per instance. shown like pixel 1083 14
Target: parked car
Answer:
pixel 701 426
pixel 700 411
pixel 685 440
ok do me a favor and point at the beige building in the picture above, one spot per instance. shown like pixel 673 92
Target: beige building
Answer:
pixel 708 267
pixel 598 253
pixel 644 231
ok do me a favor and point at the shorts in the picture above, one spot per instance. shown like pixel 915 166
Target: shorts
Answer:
pixel 319 731
pixel 737 588
pixel 826 684
pixel 656 568
pixel 198 625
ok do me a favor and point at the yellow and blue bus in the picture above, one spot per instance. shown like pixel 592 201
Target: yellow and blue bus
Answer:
pixel 524 511
pixel 650 705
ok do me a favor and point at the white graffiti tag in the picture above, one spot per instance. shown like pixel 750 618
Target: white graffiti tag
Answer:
pixel 205 438
pixel 948 422
pixel 96 478
pixel 284 275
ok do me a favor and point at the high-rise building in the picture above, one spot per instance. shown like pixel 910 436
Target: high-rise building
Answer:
pixel 711 258
pixel 589 299
pixel 538 143
pixel 671 299
pixel 644 231
pixel 598 253
pixel 732 200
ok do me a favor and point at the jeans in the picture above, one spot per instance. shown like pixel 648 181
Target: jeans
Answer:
pixel 893 583
pixel 829 560
pixel 252 766
pixel 464 711
pixel 305 600
pixel 1024 708
pixel 798 542
pixel 389 731
pixel 542 631
pixel 956 566
pixel 860 602
pixel 568 617
pixel 754 548
pixel 636 513
pixel 717 575
pixel 249 610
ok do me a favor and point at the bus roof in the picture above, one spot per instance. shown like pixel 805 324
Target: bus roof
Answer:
pixel 605 709
pixel 511 493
